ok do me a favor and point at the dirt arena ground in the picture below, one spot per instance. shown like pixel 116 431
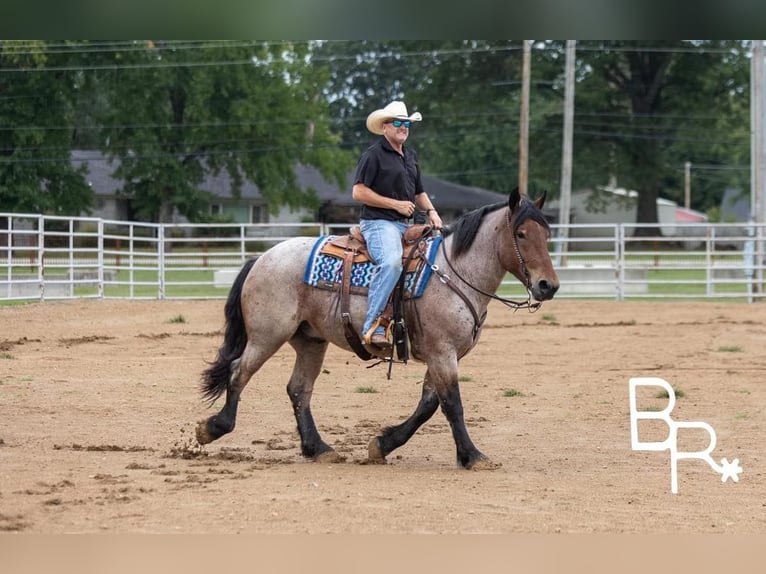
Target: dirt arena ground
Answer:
pixel 99 401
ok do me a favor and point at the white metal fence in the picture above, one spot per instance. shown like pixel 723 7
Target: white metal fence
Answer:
pixel 48 257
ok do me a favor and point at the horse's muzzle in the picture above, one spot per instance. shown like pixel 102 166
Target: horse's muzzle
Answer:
pixel 543 290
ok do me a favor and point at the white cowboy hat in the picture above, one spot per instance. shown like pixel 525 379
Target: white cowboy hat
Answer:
pixel 393 111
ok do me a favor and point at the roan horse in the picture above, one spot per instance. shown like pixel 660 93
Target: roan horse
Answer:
pixel 269 305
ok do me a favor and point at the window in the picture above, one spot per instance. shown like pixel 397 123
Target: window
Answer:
pixel 259 214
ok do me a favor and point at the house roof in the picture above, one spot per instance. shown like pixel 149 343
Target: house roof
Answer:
pixel 99 171
pixel 735 205
pixel 444 194
pixel 684 215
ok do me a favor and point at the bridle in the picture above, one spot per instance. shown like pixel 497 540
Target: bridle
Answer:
pixel 515 305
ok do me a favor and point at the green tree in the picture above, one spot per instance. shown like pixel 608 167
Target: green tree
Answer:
pixel 650 106
pixel 37 99
pixel 178 111
pixel 471 103
pixel 365 75
pixel 468 92
pixel 710 99
pixel 642 109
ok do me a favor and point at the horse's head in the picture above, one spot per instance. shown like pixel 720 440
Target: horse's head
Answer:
pixel 526 255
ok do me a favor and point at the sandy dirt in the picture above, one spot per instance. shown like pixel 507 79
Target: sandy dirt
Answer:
pixel 99 401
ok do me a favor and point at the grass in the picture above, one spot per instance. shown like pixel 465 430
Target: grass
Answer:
pixel 369 390
pixel 730 349
pixel 464 379
pixel 665 277
pixel 663 394
pixel 679 275
pixel 6 356
pixel 177 319
pixel 512 393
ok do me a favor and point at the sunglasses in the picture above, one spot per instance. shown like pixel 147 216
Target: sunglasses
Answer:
pixel 400 123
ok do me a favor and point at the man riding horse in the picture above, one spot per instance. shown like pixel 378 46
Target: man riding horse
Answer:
pixel 387 182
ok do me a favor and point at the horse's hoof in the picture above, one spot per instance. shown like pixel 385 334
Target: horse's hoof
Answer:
pixel 484 463
pixel 328 457
pixel 203 436
pixel 374 453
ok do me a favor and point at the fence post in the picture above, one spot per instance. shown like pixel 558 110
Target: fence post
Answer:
pixel 758 287
pixel 131 259
pixel 709 273
pixel 40 252
pixel 161 259
pixel 100 241
pixel 619 257
pixel 242 247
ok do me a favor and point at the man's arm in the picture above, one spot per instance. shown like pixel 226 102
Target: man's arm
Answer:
pixel 368 196
pixel 424 203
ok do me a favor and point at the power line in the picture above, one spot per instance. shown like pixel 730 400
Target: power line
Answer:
pixel 187 45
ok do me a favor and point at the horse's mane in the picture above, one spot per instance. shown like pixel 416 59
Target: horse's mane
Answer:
pixel 467 226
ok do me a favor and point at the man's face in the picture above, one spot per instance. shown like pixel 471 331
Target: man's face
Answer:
pixel 397 134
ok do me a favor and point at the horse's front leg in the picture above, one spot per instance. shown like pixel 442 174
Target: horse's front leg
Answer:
pixel 395 436
pixel 448 391
pixel 435 392
pixel 468 456
pixel 310 355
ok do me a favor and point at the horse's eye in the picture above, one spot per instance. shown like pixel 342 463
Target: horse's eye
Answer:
pixel 520 235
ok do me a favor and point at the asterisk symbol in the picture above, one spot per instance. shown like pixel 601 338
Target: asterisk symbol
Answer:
pixel 730 470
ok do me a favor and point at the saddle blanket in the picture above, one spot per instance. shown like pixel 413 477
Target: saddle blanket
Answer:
pixel 326 271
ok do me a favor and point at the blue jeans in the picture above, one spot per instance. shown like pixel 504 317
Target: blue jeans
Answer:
pixel 384 242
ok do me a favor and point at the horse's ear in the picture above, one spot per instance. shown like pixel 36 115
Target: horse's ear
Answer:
pixel 513 199
pixel 540 201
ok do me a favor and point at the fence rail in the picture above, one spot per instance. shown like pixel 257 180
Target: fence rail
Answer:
pixel 50 257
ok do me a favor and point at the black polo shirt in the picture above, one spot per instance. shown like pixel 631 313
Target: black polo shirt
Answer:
pixel 387 173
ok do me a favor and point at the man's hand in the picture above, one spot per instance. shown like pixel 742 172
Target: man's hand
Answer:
pixel 406 208
pixel 435 220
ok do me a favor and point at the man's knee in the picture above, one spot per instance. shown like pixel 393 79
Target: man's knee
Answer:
pixel 392 262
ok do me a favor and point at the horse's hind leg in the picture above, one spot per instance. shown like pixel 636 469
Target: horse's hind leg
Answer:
pixel 310 353
pixel 393 437
pixel 241 371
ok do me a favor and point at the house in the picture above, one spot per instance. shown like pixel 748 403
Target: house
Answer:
pixel 605 205
pixel 335 204
pixel 735 206
pixel 450 199
pixel 110 205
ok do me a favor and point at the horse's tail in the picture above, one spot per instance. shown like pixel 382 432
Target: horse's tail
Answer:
pixel 215 378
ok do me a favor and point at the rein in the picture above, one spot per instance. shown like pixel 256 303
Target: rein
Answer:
pixel 515 305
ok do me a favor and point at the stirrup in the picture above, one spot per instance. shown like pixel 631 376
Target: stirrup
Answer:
pixel 379 322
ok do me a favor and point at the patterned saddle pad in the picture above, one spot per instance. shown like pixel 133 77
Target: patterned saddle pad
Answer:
pixel 325 271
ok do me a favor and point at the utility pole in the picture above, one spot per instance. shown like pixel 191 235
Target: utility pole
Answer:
pixel 565 200
pixel 756 132
pixel 688 185
pixel 757 160
pixel 524 121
